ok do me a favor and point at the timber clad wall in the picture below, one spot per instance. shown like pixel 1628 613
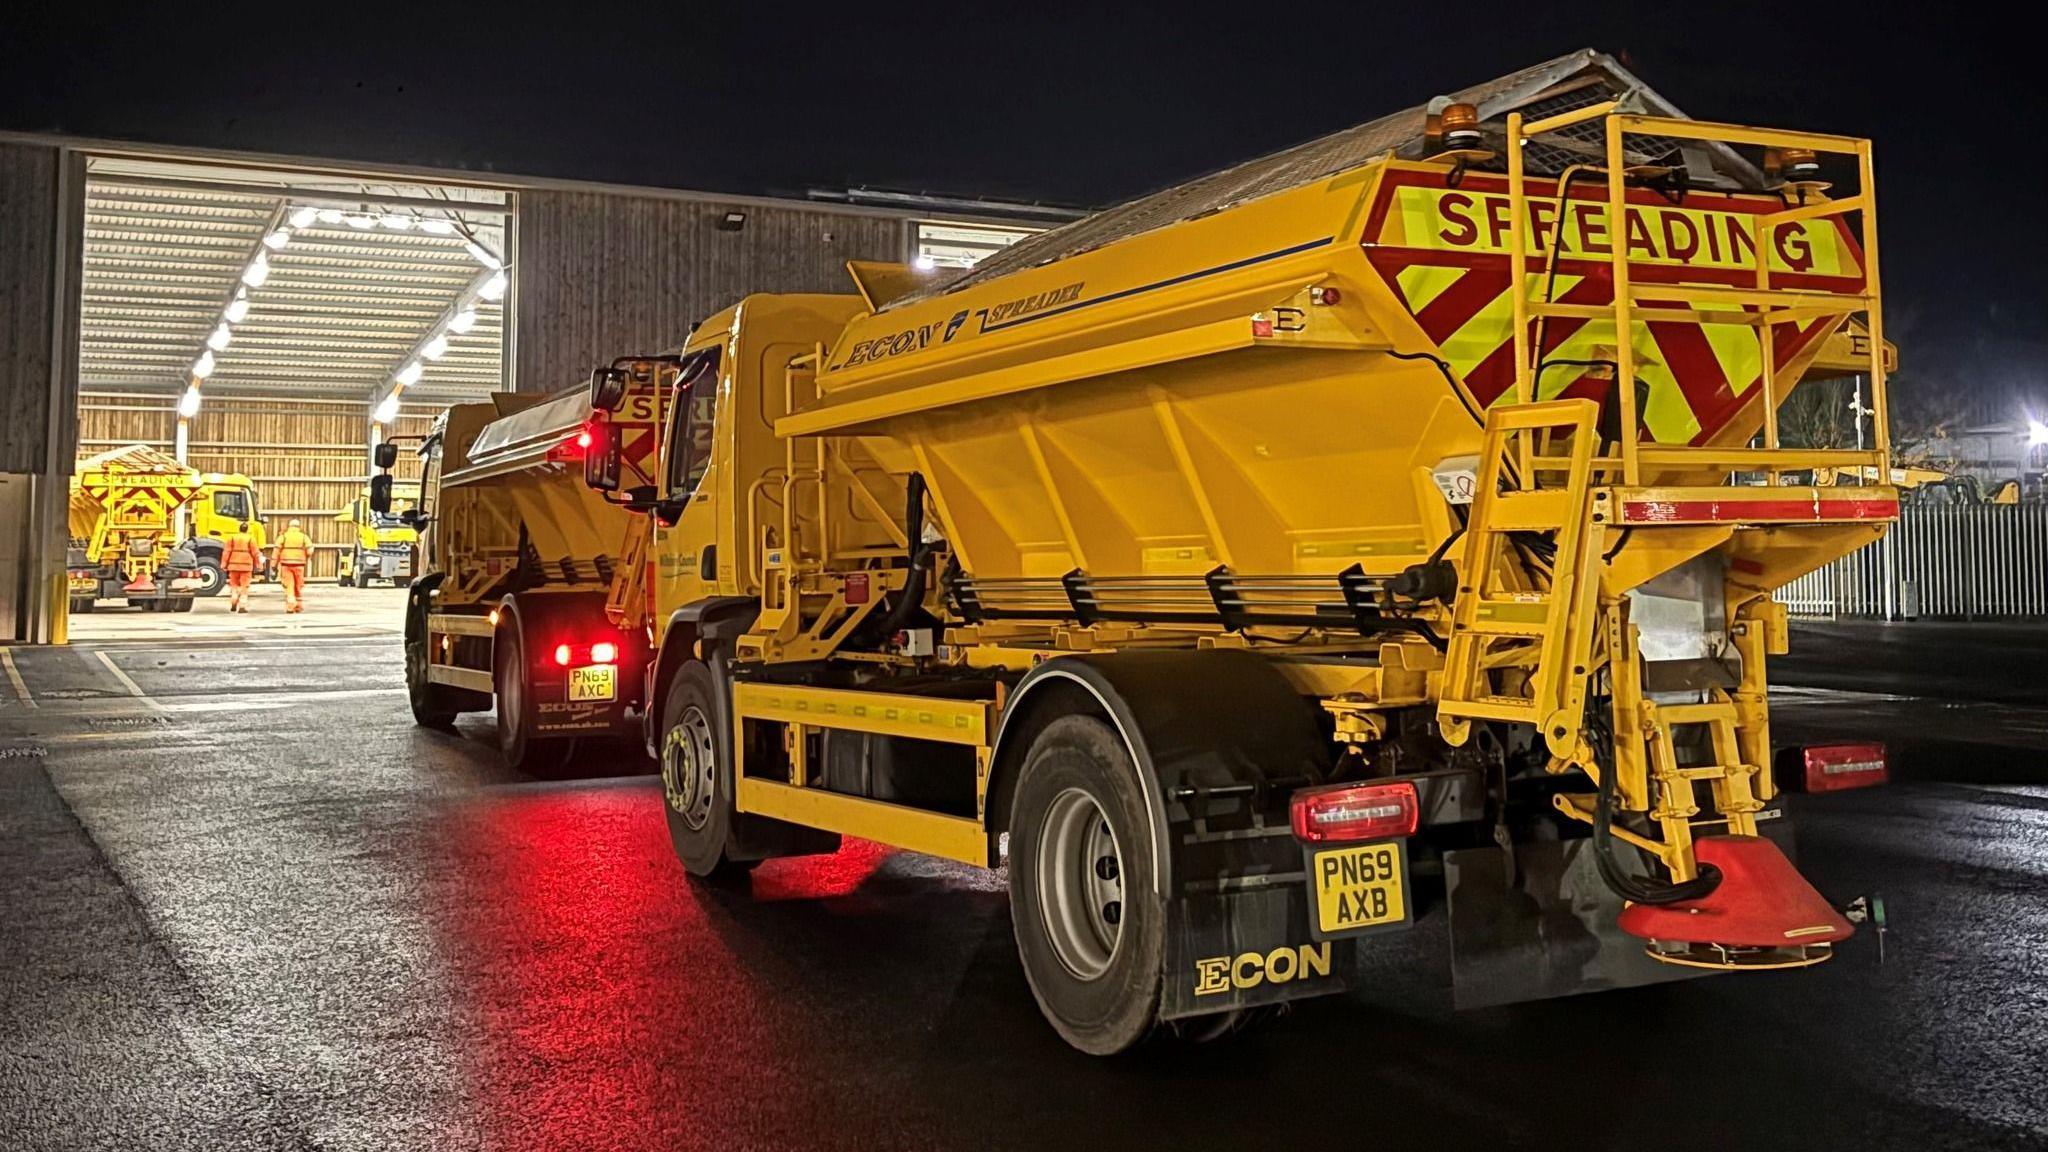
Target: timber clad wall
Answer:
pixel 30 187
pixel 308 459
pixel 601 275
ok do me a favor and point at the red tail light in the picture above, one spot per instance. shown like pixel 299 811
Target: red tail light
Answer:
pixel 583 438
pixel 1346 812
pixel 603 652
pixel 1837 767
pixel 562 655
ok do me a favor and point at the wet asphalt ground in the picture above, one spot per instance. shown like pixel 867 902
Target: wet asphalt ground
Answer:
pixel 244 903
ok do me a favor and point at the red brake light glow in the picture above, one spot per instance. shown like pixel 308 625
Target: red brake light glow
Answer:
pixel 1836 767
pixel 603 652
pixel 562 655
pixel 1348 812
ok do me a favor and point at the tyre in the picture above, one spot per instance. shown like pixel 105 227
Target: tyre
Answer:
pixel 343 579
pixel 211 578
pixel 517 715
pixel 433 705
pixel 696 774
pixel 81 604
pixel 1090 931
pixel 183 604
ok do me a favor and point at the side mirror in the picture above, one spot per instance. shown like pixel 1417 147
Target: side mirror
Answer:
pixel 380 491
pixel 387 455
pixel 607 389
pixel 601 459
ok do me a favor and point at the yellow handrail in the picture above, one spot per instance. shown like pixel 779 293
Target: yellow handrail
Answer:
pixel 1766 306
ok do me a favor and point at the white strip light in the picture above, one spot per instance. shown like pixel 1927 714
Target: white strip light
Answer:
pixel 238 308
pixel 278 239
pixel 304 217
pixel 387 411
pixel 221 335
pixel 435 348
pixel 188 404
pixel 494 288
pixel 463 321
pixel 411 373
pixel 257 272
pixel 203 367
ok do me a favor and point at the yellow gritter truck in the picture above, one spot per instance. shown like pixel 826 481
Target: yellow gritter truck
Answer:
pixel 123 544
pixel 1351 565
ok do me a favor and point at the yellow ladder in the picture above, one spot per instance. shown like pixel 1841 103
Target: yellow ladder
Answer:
pixel 1519 649
pixel 1732 780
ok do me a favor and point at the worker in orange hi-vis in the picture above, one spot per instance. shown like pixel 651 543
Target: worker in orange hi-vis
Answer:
pixel 294 551
pixel 238 560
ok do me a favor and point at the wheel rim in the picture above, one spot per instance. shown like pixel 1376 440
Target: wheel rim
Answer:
pixel 688 762
pixel 1080 884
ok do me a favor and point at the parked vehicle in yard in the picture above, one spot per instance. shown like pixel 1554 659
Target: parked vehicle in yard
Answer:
pixel 514 605
pixel 381 545
pixel 223 502
pixel 122 547
pixel 1273 570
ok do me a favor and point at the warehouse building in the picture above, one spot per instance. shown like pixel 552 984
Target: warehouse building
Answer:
pixel 272 317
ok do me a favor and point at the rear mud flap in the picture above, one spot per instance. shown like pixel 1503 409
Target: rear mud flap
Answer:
pixel 1552 932
pixel 1247 947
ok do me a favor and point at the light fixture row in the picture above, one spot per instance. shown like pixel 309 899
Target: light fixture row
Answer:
pixel 306 216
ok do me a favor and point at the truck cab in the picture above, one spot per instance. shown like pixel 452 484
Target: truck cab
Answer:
pixel 226 502
pixel 379 545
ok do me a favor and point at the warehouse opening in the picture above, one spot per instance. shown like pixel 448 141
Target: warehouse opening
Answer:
pixel 246 337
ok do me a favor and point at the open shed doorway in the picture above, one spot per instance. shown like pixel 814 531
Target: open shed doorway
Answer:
pixel 246 336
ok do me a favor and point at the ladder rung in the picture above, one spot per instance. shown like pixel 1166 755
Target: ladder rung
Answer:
pixel 1505 708
pixel 1529 511
pixel 1759 297
pixel 1697 713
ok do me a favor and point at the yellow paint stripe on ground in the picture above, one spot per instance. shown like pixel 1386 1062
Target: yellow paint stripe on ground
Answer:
pixel 134 689
pixel 14 678
pixel 1422 283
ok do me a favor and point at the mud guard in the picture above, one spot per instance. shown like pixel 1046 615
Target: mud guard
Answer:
pixel 1220 741
pixel 1549 928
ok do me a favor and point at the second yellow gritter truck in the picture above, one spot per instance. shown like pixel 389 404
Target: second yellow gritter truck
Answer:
pixel 1349 566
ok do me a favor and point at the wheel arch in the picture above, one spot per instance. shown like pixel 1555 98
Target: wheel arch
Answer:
pixel 712 618
pixel 1190 720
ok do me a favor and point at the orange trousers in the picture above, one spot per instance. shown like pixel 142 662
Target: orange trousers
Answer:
pixel 238 591
pixel 293 577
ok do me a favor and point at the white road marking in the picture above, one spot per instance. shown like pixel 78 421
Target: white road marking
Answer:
pixel 14 678
pixel 282 699
pixel 134 689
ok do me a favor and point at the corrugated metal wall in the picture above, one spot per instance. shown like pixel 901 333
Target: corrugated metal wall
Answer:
pixel 601 275
pixel 308 459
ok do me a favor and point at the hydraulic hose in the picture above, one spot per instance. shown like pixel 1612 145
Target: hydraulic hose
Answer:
pixel 1637 889
pixel 912 596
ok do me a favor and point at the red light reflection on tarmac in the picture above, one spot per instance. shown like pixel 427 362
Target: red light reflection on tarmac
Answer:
pixel 616 1004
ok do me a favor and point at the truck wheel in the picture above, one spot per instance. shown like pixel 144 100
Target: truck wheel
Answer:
pixel 183 604
pixel 696 774
pixel 1090 933
pixel 211 578
pixel 517 717
pixel 432 706
pixel 81 604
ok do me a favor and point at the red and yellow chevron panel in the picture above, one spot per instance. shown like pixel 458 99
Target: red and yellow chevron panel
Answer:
pixel 1444 252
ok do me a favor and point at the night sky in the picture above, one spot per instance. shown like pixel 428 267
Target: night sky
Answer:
pixel 1084 106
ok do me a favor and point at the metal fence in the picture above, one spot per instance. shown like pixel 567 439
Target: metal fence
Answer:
pixel 1963 562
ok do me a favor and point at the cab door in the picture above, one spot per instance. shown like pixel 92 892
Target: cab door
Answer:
pixel 685 549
